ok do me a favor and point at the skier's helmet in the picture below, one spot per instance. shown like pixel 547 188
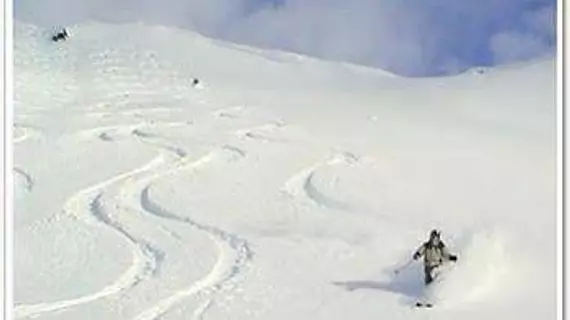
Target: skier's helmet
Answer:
pixel 434 234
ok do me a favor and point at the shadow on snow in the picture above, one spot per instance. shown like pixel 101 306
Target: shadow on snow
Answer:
pixel 408 284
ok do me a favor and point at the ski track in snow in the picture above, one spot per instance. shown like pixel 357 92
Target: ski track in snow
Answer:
pixel 28 182
pixel 85 205
pixel 261 133
pixel 234 252
pixel 113 132
pixel 93 205
pixel 234 255
pixel 301 186
pixel 302 190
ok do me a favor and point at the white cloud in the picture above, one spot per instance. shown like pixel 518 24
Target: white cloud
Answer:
pixel 536 36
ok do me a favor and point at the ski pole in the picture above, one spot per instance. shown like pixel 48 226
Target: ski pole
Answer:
pixel 400 269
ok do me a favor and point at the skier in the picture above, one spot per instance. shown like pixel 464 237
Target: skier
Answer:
pixel 62 35
pixel 435 254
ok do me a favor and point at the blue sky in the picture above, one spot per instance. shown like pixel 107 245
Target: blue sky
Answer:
pixel 408 37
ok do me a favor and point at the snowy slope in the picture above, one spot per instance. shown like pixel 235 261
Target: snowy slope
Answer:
pixel 282 187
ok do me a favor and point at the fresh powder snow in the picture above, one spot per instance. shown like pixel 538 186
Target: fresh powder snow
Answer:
pixel 279 187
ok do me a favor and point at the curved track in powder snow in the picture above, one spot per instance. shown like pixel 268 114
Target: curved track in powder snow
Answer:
pixel 129 193
pixel 234 252
pixel 302 187
pixel 85 205
pixel 234 255
pixel 26 180
pixel 303 190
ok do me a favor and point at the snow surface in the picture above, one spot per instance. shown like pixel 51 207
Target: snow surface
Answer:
pixel 281 187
